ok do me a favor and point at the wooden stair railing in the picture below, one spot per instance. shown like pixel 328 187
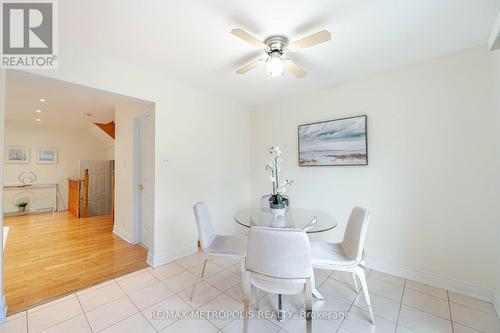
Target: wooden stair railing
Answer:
pixel 85 208
pixel 74 186
pixel 74 192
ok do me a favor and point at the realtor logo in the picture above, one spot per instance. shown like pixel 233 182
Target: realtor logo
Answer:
pixel 29 34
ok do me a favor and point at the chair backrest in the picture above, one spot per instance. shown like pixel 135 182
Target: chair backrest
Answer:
pixel 279 253
pixel 206 232
pixel 355 233
pixel 264 201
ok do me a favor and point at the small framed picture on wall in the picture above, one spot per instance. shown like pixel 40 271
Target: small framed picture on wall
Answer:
pixel 17 155
pixel 46 155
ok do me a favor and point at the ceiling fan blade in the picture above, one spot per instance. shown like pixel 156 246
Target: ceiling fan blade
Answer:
pixel 249 38
pixel 295 69
pixel 314 39
pixel 250 66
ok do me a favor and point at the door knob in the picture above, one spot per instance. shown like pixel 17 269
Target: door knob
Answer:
pixel 140 187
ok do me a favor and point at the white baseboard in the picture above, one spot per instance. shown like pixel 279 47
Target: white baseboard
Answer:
pixel 496 302
pixel 436 280
pixel 166 257
pixel 122 234
pixel 151 259
pixel 3 310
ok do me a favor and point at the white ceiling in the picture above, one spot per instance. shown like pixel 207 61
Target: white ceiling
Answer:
pixel 65 105
pixel 189 41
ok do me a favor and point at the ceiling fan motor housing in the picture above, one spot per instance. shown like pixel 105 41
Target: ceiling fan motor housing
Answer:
pixel 276 44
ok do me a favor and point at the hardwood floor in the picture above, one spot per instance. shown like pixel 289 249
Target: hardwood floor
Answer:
pixel 51 254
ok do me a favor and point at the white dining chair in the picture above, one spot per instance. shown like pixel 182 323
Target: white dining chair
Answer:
pixel 213 245
pixel 278 262
pixel 264 201
pixel 348 255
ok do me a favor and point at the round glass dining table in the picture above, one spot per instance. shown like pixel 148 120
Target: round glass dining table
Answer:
pixel 312 221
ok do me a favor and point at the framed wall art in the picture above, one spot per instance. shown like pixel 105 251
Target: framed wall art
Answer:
pixel 334 142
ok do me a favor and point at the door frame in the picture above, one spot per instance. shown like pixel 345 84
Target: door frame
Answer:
pixel 137 198
pixel 126 237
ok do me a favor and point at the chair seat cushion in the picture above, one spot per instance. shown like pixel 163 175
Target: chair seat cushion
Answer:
pixel 278 287
pixel 330 254
pixel 231 246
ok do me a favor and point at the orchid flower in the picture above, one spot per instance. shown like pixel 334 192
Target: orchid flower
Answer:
pixel 274 168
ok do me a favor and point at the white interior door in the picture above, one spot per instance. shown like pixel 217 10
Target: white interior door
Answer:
pixel 145 176
pixel 100 193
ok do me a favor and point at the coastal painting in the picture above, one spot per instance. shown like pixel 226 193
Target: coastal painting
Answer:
pixel 334 142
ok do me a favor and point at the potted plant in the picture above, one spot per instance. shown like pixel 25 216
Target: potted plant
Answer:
pixel 277 202
pixel 21 205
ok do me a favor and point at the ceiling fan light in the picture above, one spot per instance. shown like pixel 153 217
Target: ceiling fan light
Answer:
pixel 275 65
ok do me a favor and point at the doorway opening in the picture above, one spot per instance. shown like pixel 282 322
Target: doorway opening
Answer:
pixel 73 209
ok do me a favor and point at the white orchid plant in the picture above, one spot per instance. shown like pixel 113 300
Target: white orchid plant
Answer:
pixel 279 188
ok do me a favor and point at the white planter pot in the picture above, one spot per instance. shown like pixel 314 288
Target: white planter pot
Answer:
pixel 278 211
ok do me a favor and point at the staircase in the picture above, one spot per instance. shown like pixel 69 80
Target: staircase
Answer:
pixel 108 128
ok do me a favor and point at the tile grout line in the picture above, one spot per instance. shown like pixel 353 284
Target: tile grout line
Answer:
pixel 350 306
pixel 182 300
pixel 426 312
pixel 154 329
pixel 426 294
pixel 223 291
pixel 475 309
pixel 84 313
pixel 449 309
pixel 65 320
pixel 106 303
pixel 400 304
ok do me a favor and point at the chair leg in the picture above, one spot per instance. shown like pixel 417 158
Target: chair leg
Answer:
pixel 199 275
pixel 360 273
pixel 203 268
pixel 308 298
pixel 356 286
pixel 242 272
pixel 280 307
pixel 247 289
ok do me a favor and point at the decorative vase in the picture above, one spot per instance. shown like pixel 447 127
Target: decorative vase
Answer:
pixel 278 210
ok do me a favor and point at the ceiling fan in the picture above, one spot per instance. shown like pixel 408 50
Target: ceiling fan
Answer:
pixel 277 48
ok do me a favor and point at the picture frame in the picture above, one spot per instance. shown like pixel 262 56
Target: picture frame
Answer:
pixel 46 155
pixel 17 155
pixel 337 142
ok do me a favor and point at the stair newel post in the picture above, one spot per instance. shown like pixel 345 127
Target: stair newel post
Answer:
pixel 86 193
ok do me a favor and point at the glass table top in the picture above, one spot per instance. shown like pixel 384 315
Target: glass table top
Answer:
pixel 311 221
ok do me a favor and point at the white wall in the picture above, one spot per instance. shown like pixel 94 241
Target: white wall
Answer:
pixel 73 145
pixel 201 145
pixel 3 306
pixel 428 185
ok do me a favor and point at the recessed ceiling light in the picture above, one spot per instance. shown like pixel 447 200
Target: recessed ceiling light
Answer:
pixel 38 119
pixel 42 100
pixel 38 111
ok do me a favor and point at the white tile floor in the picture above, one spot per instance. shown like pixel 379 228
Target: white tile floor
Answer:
pixel 131 303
